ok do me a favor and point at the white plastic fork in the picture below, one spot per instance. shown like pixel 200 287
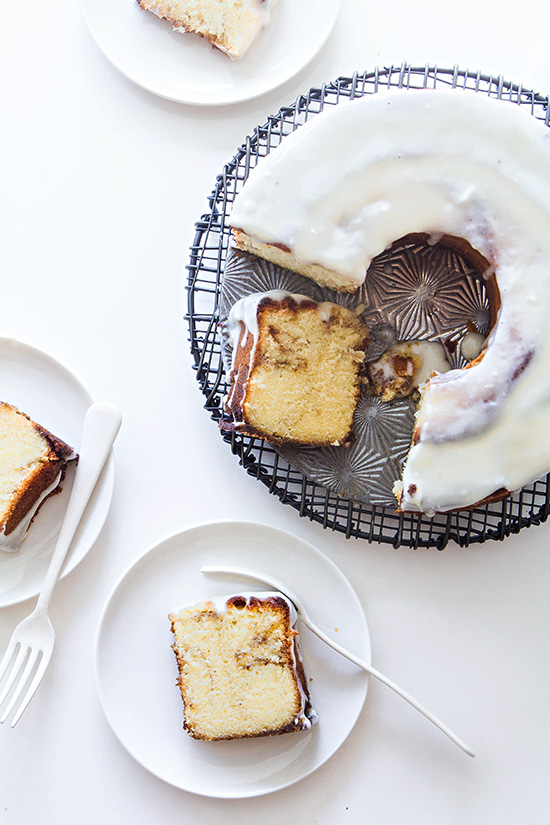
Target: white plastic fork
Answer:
pixel 303 616
pixel 31 645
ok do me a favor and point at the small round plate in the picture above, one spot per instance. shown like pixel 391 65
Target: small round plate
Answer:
pixel 136 669
pixel 186 68
pixel 47 392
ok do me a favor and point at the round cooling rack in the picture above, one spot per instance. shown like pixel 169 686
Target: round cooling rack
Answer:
pixel 288 475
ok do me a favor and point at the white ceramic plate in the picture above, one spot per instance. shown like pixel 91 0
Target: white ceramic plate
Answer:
pixel 136 669
pixel 186 68
pixel 42 388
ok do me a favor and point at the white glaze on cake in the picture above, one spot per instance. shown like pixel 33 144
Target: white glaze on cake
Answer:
pixel 243 315
pixel 356 178
pixel 423 359
pixel 12 542
pixel 472 345
pixel 433 359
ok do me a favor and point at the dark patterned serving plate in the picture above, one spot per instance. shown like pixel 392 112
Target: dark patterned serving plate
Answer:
pixel 414 291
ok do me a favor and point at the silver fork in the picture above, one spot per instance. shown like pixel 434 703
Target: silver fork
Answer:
pixel 31 645
pixel 303 615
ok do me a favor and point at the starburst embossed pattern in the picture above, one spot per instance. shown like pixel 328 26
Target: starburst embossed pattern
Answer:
pixel 240 279
pixel 410 291
pixel 426 291
pixel 367 470
pixel 385 426
pixel 355 472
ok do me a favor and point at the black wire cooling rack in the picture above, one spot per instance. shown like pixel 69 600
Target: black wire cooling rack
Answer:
pixel 374 523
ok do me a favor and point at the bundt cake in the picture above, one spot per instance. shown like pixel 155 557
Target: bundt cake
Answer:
pixel 454 164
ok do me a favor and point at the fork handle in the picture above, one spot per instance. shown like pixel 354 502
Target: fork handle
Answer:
pixel 101 426
pixel 389 683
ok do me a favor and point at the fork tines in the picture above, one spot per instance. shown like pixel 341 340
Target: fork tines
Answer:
pixel 22 669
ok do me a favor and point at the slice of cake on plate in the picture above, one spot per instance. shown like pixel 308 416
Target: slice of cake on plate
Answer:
pixel 295 369
pixel 32 463
pixel 230 25
pixel 240 670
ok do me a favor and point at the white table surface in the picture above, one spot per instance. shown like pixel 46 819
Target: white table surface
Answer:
pixel 101 185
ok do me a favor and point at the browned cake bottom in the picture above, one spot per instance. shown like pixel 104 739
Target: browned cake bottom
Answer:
pixel 31 459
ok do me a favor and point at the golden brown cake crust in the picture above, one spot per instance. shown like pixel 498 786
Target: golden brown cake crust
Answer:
pixel 281 255
pixel 54 463
pixel 252 352
pixel 244 363
pixel 251 657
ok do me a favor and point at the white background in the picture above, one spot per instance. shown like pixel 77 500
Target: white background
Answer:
pixel 101 183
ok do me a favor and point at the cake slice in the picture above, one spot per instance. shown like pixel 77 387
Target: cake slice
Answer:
pixel 230 25
pixel 295 369
pixel 32 463
pixel 240 671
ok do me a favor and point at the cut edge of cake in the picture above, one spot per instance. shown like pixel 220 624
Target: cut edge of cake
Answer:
pixel 239 661
pixel 280 255
pixel 30 478
pixel 295 372
pixel 231 27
